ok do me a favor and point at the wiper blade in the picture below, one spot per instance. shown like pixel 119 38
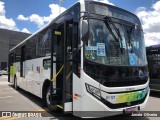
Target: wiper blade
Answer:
pixel 129 32
pixel 110 30
pixel 109 20
pixel 114 26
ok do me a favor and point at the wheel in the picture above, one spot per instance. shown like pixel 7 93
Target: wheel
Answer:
pixel 15 83
pixel 47 97
pixel 46 101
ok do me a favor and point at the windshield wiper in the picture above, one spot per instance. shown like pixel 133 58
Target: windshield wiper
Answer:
pixel 110 30
pixel 129 32
pixel 129 36
pixel 109 20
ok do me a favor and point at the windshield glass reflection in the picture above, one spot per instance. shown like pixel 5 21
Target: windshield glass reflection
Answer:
pixel 105 46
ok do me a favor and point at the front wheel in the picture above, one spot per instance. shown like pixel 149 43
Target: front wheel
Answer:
pixel 47 97
pixel 47 101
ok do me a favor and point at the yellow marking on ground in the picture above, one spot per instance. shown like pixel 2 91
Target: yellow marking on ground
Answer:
pixel 41 110
pixel 9 118
pixel 13 118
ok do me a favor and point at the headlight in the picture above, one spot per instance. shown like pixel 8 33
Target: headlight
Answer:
pixel 93 91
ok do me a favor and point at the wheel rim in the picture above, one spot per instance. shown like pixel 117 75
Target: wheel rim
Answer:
pixel 48 97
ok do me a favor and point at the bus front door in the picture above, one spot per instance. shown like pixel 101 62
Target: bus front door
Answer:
pixel 63 50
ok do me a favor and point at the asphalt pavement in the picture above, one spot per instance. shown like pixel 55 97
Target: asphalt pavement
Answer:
pixel 20 101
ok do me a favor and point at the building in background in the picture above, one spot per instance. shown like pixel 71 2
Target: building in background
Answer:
pixel 9 39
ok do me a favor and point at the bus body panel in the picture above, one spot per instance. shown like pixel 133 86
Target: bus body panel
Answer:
pixel 77 93
pixel 92 106
pixel 35 75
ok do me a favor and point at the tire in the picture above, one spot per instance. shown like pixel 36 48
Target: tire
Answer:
pixel 46 101
pixel 47 97
pixel 15 83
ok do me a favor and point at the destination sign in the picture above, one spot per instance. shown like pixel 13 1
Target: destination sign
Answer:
pixel 113 12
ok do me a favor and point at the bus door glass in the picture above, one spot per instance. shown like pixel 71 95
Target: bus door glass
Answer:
pixel 63 49
pixel 59 49
pixel 71 61
pixel 68 61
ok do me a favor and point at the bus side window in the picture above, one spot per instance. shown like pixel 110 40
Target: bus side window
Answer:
pixel 22 60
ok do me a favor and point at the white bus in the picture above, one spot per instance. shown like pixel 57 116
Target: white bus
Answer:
pixel 90 58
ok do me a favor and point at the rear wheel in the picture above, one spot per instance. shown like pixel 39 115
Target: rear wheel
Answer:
pixel 15 83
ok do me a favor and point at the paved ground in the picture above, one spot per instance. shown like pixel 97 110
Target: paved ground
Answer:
pixel 11 100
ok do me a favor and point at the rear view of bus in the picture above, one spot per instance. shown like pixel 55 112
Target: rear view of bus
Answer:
pixel 114 74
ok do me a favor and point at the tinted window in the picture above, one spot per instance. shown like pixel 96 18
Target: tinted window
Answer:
pixel 18 54
pixel 44 44
pixel 31 48
pixel 38 46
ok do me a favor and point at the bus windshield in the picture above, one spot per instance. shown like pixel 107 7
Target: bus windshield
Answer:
pixel 105 46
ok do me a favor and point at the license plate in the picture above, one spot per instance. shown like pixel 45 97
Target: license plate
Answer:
pixel 130 110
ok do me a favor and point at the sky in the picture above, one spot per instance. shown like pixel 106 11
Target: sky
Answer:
pixel 30 15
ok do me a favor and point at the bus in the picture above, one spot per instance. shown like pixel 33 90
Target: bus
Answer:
pixel 91 58
pixel 153 57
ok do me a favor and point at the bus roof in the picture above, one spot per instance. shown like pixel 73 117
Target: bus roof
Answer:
pixel 38 31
